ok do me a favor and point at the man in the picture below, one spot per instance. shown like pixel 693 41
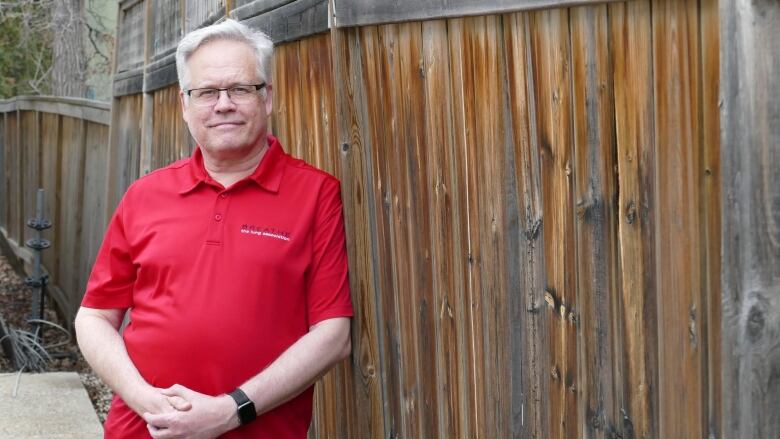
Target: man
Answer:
pixel 232 264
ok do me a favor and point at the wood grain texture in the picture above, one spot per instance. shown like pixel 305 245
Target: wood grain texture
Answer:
pixel 51 159
pixel 750 167
pixel 172 140
pixel 632 71
pixel 525 257
pixel 368 12
pixel 595 193
pixel 676 74
pixel 70 226
pixel 552 79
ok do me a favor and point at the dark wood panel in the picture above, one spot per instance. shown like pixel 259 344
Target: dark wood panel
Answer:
pixel 525 257
pixel 292 21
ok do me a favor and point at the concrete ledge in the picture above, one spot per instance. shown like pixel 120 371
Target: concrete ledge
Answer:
pixel 48 405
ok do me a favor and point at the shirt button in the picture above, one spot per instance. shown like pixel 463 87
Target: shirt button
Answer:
pixel 218 217
pixel 223 195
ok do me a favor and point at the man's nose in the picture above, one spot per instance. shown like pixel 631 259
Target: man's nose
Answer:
pixel 223 102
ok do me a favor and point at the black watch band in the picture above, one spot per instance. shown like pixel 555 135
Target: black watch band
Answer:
pixel 246 408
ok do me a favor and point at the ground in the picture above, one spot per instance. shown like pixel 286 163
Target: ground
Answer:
pixel 15 306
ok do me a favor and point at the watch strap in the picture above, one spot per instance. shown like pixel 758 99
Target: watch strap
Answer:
pixel 246 408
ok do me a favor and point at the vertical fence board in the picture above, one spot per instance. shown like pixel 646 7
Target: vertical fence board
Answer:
pixel 444 227
pixel 750 164
pixel 4 174
pixel 676 72
pixel 552 76
pixel 172 140
pixel 525 261
pixel 595 192
pixel 709 216
pixel 124 148
pixel 463 116
pixel 72 145
pixel 93 217
pixel 631 49
pixel 13 165
pixel 51 158
pixel 30 148
pixel 370 372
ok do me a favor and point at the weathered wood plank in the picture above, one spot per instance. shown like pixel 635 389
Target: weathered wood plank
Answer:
pixel 552 77
pixel 465 138
pixel 523 220
pixel 30 150
pixel 443 199
pixel 4 175
pixel 369 375
pixel 367 12
pixel 173 141
pixel 710 213
pixel 93 111
pixel 93 216
pixel 124 148
pixel 595 190
pixel 373 59
pixel 72 145
pixel 50 178
pixel 166 21
pixel 13 177
pixel 677 112
pixel 292 21
pixel 631 54
pixel 750 166
pixel 130 36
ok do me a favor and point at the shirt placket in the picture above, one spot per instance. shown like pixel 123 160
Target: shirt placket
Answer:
pixel 218 218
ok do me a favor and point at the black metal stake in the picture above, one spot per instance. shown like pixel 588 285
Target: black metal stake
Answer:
pixel 38 280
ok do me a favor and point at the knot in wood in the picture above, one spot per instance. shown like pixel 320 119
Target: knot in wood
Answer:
pixel 756 321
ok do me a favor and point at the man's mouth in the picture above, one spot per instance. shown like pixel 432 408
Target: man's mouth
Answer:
pixel 225 124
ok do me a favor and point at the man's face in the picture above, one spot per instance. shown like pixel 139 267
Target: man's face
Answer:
pixel 226 130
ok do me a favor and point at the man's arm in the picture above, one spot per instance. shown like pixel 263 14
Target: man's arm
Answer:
pixel 327 343
pixel 97 332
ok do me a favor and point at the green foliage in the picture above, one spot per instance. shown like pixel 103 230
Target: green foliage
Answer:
pixel 25 47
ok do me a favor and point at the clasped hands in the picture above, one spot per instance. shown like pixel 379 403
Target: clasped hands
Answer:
pixel 179 412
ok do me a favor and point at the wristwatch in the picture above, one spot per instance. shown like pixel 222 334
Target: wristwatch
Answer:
pixel 246 408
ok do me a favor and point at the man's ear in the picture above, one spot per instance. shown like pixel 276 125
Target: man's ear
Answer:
pixel 269 100
pixel 183 101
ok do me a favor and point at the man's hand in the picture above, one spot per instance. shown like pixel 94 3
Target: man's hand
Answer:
pixel 152 400
pixel 208 417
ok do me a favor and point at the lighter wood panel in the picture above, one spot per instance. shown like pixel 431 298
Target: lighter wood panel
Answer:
pixel 444 200
pixel 13 164
pixel 30 149
pixel 552 76
pixel 631 48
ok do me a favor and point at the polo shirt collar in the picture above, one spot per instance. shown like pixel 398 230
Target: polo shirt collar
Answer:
pixel 267 175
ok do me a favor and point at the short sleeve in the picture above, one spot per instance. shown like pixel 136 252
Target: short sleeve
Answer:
pixel 327 282
pixel 110 285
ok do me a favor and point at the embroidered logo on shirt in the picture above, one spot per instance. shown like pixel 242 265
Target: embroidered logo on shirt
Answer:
pixel 268 232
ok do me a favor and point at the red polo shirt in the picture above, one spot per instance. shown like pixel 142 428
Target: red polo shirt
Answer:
pixel 219 281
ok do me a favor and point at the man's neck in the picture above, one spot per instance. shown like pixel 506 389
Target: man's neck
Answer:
pixel 229 170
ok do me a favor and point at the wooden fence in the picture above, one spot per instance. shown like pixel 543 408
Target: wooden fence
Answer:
pixel 533 203
pixel 60 145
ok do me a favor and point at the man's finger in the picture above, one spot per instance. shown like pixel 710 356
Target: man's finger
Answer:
pixel 179 403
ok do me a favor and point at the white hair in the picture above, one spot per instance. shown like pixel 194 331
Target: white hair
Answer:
pixel 227 29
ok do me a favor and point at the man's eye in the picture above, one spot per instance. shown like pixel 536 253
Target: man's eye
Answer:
pixel 207 93
pixel 239 91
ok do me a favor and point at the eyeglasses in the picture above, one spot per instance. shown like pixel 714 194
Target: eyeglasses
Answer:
pixel 239 94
